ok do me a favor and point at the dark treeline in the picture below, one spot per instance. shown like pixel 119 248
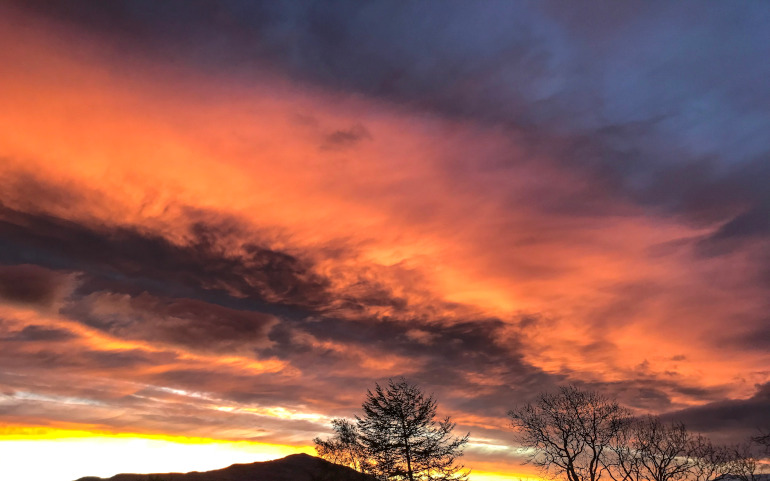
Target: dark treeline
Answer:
pixel 584 436
pixel 575 434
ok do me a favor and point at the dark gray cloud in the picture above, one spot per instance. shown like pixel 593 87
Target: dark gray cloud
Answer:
pixel 131 359
pixel 258 273
pixel 456 358
pixel 177 321
pixel 341 139
pixel 733 420
pixel 654 394
pixel 29 284
pixel 756 339
pixel 35 333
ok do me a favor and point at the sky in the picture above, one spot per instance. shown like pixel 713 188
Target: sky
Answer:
pixel 222 222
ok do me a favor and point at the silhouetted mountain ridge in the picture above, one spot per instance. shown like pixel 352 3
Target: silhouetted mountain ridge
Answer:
pixel 296 467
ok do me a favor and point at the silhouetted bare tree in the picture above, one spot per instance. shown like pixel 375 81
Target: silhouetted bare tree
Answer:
pixel 763 440
pixel 744 462
pixel 585 435
pixel 649 450
pixel 398 438
pixel 708 461
pixel 662 449
pixel 344 447
pixel 623 463
pixel 570 431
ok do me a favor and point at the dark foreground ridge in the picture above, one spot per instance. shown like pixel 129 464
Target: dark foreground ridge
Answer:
pixel 297 467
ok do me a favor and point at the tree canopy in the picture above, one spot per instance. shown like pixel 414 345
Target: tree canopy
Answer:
pixel 397 438
pixel 571 431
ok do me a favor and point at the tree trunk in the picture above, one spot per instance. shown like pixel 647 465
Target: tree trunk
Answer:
pixel 407 450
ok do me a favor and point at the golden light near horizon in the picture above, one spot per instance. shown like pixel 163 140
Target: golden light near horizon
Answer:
pixel 71 453
pixel 41 453
pixel 501 476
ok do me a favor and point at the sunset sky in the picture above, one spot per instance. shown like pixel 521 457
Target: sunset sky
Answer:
pixel 222 221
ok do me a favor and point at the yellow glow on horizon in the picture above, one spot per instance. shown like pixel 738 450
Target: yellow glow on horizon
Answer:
pixel 69 454
pixel 495 476
pixel 72 453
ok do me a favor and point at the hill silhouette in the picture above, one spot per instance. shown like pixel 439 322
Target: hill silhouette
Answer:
pixel 296 467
